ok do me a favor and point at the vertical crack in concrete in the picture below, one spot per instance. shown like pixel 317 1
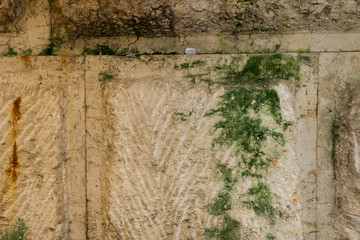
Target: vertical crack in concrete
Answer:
pixel 317 156
pixel 85 153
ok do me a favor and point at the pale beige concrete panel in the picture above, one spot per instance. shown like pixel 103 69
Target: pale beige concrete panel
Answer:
pixel 150 173
pixel 305 135
pixel 48 190
pixel 96 156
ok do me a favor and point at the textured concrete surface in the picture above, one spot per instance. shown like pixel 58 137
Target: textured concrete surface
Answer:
pixel 108 158
pixel 24 26
pixel 42 178
pixel 339 103
pixel 185 18
pixel 155 169
pixel 170 26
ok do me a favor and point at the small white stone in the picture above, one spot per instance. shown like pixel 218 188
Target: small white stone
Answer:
pixel 191 51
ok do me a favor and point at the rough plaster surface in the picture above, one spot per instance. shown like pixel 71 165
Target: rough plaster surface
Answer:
pixel 24 25
pixel 184 18
pixel 348 165
pixel 144 172
pixel 157 170
pixel 49 171
pixel 171 26
pixel 339 100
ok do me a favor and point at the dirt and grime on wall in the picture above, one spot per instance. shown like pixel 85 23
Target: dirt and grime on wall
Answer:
pixel 44 27
pixel 186 18
pixel 14 164
pixel 150 165
pixel 11 15
pixel 347 162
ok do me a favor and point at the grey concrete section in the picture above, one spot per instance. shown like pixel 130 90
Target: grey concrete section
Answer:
pixel 336 216
pixel 306 107
pixel 325 172
pixel 254 43
pixel 95 152
pixel 75 152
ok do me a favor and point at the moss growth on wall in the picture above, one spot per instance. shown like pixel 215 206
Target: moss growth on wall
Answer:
pixel 9 52
pixel 184 117
pixel 230 231
pixel 247 101
pixel 17 233
pixel 260 69
pixel 99 50
pixel 56 41
pixel 104 77
pixel 260 199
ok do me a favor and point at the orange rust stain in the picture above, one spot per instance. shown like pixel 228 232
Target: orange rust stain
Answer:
pixel 311 113
pixel 294 197
pixel 25 60
pixel 64 59
pixel 254 232
pixel 313 172
pixel 12 170
pixel 246 211
pixel 275 162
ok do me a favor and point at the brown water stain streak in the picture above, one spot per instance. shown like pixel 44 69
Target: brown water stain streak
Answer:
pixel 12 170
pixel 16 115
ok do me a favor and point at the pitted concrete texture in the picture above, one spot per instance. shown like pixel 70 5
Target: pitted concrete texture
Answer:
pixel 41 171
pixel 348 164
pixel 156 170
pixel 97 149
pixel 339 101
pixel 65 27
pixel 185 18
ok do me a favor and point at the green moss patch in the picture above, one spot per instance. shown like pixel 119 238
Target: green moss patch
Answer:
pixel 260 69
pixel 99 50
pixel 222 203
pixel 260 199
pixel 247 101
pixel 230 230
pixel 9 52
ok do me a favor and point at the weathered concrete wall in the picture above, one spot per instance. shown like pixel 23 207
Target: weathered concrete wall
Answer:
pixel 173 18
pixel 107 148
pixel 157 170
pixel 338 101
pixel 100 147
pixel 24 25
pixel 65 27
pixel 42 148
